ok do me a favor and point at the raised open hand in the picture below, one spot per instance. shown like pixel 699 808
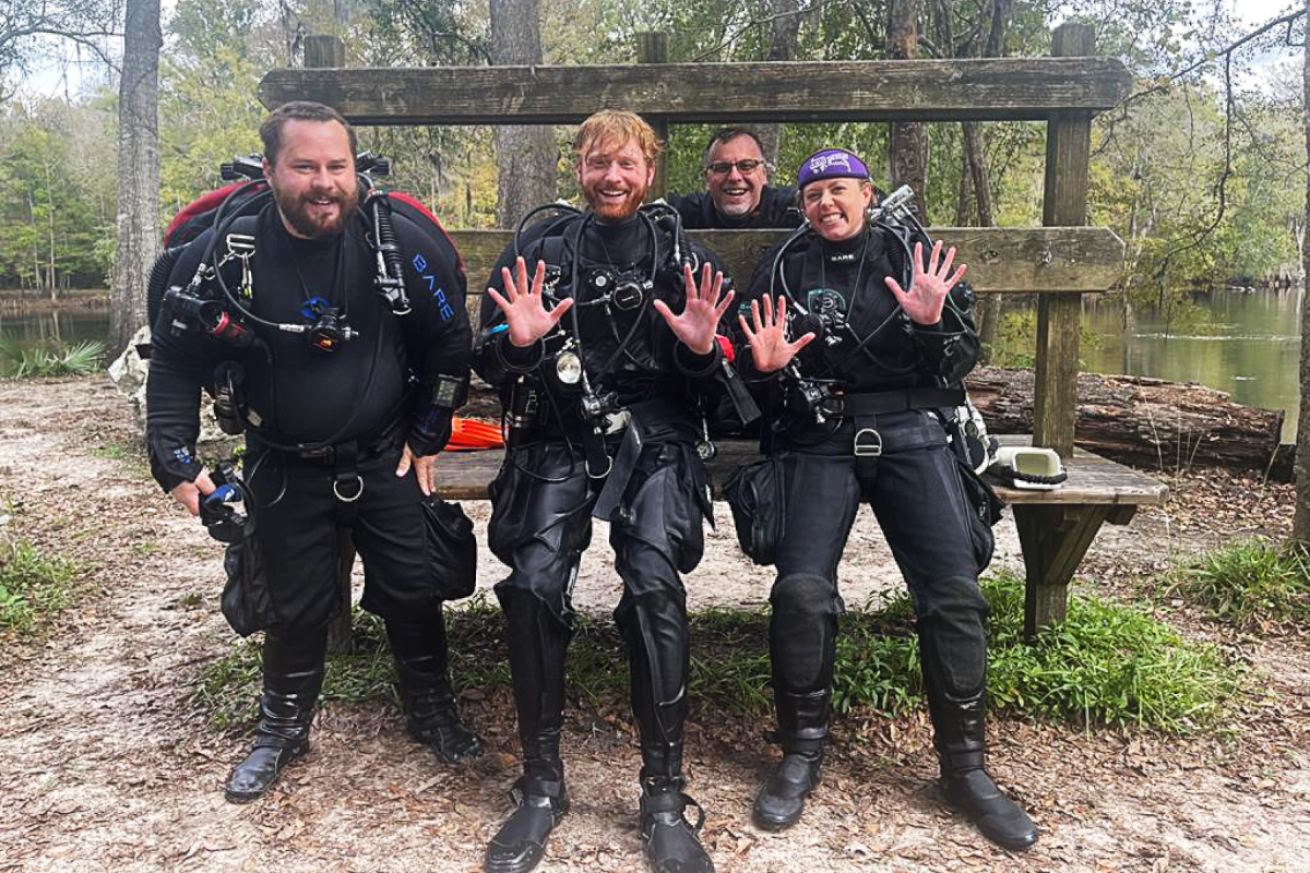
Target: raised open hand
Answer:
pixel 928 287
pixel 699 321
pixel 524 307
pixel 769 346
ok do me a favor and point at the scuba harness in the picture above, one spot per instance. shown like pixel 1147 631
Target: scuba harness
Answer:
pixel 208 303
pixel 562 379
pixel 810 396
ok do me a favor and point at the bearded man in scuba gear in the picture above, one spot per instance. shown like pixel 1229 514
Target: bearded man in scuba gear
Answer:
pixel 599 330
pixel 335 440
pixel 858 356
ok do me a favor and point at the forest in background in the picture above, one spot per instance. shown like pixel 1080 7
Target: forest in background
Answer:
pixel 1201 172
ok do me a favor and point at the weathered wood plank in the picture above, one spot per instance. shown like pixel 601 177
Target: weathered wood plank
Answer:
pixel 979 89
pixel 1037 259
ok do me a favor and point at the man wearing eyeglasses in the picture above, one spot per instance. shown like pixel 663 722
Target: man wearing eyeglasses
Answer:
pixel 737 191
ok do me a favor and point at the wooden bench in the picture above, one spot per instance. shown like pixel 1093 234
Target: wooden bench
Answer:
pixel 1059 261
pixel 1055 527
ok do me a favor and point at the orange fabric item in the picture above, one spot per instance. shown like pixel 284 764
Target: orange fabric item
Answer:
pixel 468 435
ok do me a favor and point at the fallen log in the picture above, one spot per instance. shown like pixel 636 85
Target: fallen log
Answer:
pixel 1148 423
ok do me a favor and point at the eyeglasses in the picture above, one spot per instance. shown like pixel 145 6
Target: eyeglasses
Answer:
pixel 723 168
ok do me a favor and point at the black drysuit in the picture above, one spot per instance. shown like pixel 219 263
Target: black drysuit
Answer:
pixel 324 424
pixel 548 489
pixel 913 485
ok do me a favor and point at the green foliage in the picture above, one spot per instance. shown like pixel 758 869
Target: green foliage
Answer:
pixel 1109 664
pixel 34 586
pixel 1248 584
pixel 56 199
pixel 69 359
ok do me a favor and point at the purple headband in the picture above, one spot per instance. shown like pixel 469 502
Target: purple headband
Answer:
pixel 831 164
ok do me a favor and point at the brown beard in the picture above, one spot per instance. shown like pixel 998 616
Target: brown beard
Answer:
pixel 296 214
pixel 621 213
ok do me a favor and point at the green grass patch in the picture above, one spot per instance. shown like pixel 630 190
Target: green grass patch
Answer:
pixel 1248 584
pixel 33 586
pixel 68 359
pixel 1108 664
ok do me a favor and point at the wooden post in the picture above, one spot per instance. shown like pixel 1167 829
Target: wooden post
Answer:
pixel 653 48
pixel 1059 328
pixel 322 50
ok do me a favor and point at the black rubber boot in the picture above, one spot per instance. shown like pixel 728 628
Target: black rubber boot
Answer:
pixel 802 732
pixel 521 841
pixel 672 843
pixel 293 675
pixel 538 644
pixel 431 713
pixel 654 626
pixel 802 651
pixel 960 737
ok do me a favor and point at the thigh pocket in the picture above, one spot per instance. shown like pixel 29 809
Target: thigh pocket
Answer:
pixel 452 548
pixel 757 498
pixel 246 602
pixel 982 508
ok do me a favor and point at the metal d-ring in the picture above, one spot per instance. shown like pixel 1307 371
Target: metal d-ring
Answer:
pixel 336 489
pixel 609 465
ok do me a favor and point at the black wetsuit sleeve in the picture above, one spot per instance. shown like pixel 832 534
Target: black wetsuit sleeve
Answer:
pixel 180 365
pixel 439 326
pixel 697 210
pixel 778 208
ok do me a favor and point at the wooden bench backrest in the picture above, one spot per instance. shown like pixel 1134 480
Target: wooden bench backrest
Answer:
pixel 1058 262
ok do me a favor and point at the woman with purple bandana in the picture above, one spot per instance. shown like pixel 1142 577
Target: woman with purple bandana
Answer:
pixel 859 338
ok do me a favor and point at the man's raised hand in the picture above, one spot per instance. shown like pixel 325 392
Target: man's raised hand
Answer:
pixel 699 321
pixel 524 306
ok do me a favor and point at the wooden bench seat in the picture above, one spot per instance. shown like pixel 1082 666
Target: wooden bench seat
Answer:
pixel 1055 527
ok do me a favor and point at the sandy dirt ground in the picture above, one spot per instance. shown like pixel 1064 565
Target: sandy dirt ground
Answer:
pixel 105 765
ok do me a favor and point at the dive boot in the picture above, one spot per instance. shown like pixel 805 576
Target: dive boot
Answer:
pixel 431 713
pixel 521 841
pixel 293 675
pixel 672 843
pixel 1000 819
pixel 802 732
pixel 960 737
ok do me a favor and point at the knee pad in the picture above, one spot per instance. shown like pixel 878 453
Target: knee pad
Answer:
pixel 805 594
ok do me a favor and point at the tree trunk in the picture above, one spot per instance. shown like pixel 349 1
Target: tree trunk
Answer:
pixel 1301 522
pixel 786 26
pixel 138 171
pixel 526 156
pixel 907 152
pixel 1135 420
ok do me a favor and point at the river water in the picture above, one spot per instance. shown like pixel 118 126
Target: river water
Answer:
pixel 1247 344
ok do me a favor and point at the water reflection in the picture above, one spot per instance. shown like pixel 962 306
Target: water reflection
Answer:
pixel 51 328
pixel 1245 343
